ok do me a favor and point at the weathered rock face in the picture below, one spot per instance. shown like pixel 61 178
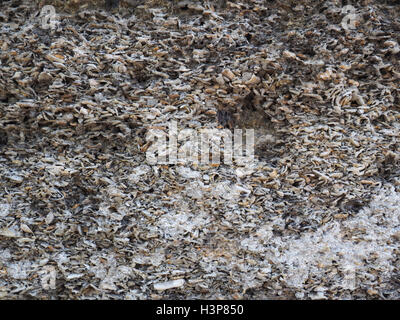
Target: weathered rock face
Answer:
pixel 83 212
